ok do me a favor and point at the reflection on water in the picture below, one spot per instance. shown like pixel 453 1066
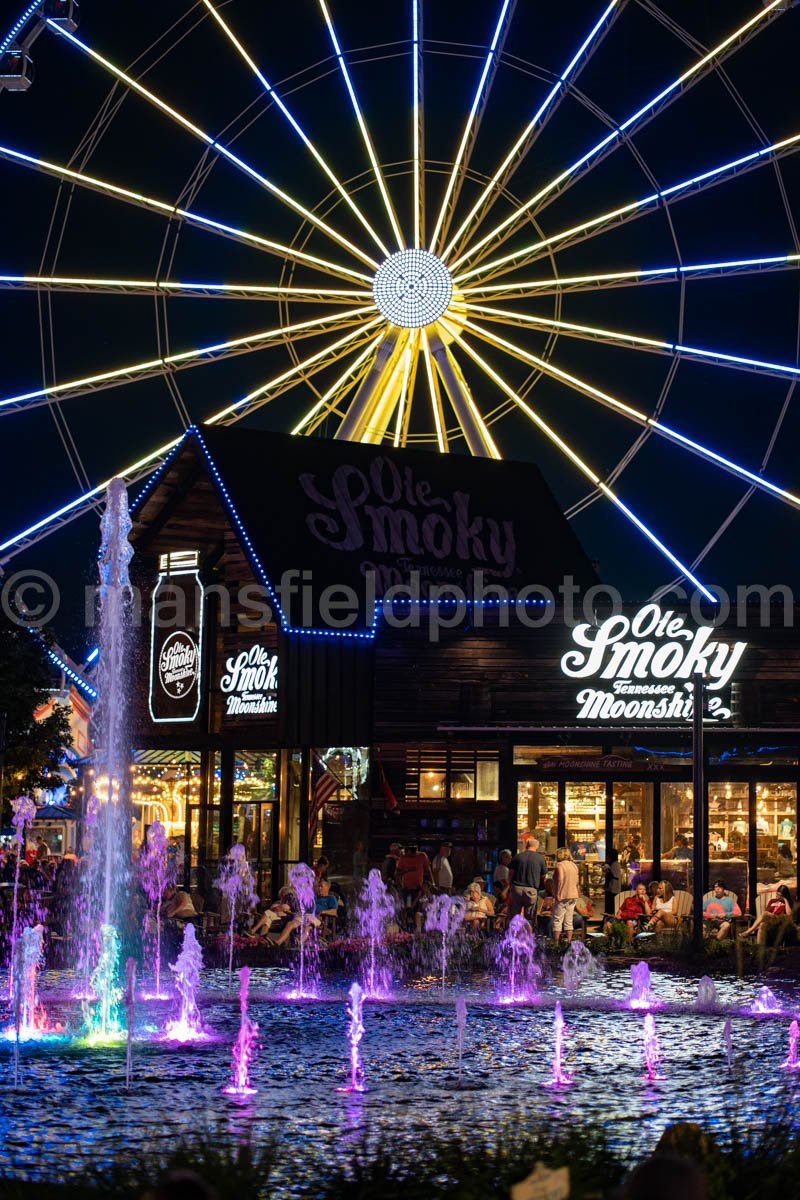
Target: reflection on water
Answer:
pixel 75 1104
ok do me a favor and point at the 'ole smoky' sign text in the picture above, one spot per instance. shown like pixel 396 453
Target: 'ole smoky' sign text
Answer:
pixel 640 668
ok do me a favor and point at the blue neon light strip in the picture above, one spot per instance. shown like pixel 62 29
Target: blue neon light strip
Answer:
pixel 73 675
pixel 8 40
pixel 92 655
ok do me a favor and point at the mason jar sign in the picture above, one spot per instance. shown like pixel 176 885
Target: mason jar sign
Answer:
pixel 176 646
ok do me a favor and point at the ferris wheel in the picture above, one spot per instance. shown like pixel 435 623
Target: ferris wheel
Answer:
pixel 429 293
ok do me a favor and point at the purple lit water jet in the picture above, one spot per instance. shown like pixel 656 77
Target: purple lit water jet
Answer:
pixel 155 873
pixel 652 1050
pixel 355 1032
pixel 519 963
pixel 373 911
pixel 792 1063
pixel 235 882
pixel 23 811
pixel 244 1045
pixel 129 1000
pixel 302 880
pixel 445 915
pixel 187 1026
pixel 560 1077
pixel 641 993
pixel 578 965
pixel 29 1017
pixel 766 1002
pixel 707 999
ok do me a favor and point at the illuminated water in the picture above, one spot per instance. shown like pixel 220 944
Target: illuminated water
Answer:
pixel 409 1051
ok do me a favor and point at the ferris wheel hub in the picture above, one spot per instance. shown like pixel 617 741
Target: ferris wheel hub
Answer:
pixel 412 288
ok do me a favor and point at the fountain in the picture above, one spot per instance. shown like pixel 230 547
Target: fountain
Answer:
pixel 461 1025
pixel 518 958
pixel 766 1002
pixel 445 915
pixel 373 912
pixel 578 965
pixel 727 1036
pixel 641 994
pixel 302 880
pixel 235 882
pixel 652 1050
pixel 792 1063
pixel 559 1077
pixel 28 1016
pixel 707 999
pixel 187 1026
pixel 243 1046
pixel 103 1021
pixel 23 811
pixel 88 898
pixel 129 1000
pixel 355 1032
pixel 156 873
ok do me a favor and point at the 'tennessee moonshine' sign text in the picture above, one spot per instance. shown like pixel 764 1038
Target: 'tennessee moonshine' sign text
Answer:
pixel 649 660
pixel 250 683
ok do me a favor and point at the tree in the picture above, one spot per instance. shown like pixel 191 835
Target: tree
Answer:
pixel 33 749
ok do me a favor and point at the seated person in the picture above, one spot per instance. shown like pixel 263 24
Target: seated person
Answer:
pixel 324 900
pixel 583 911
pixel 633 913
pixel 421 905
pixel 780 905
pixel 664 906
pixel 480 906
pixel 178 905
pixel 719 911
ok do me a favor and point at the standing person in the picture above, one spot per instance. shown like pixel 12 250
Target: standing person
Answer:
pixel 527 871
pixel 500 876
pixel 389 864
pixel 42 848
pixel 412 868
pixel 442 870
pixel 612 881
pixel 565 893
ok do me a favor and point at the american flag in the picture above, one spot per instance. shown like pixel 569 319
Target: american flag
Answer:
pixel 325 785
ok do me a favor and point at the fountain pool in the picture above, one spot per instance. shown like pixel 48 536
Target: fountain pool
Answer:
pixel 410 1059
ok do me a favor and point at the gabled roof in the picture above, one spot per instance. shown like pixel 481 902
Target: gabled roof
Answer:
pixel 314 515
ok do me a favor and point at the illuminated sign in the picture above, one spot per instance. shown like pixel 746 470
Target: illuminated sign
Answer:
pixel 176 640
pixel 641 667
pixel 249 683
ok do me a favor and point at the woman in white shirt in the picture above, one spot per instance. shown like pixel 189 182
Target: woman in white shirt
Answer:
pixel 665 907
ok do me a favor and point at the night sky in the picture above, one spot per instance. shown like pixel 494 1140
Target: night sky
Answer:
pixel 180 54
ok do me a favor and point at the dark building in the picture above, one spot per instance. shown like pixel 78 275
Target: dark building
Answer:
pixel 347 643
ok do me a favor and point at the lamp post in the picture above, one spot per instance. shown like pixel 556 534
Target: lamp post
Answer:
pixel 699 785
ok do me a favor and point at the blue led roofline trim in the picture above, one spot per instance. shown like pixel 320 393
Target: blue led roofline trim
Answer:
pixel 15 29
pixel 73 675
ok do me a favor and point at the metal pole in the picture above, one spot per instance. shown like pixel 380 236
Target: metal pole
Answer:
pixel 699 785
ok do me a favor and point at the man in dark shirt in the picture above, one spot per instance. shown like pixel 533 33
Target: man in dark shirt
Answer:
pixel 527 871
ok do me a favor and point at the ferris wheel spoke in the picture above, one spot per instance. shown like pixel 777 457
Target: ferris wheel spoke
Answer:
pixel 770 11
pixel 632 341
pixel 115 192
pixel 411 360
pixel 372 388
pixel 435 394
pixel 476 434
pixel 185 289
pixel 306 140
pixel 583 467
pixel 502 176
pixel 467 142
pixel 556 285
pixel 309 366
pixel 317 413
pixel 418 121
pixel 146 465
pixel 215 145
pixel 138 372
pixel 636 208
pixel 632 414
pixel 362 125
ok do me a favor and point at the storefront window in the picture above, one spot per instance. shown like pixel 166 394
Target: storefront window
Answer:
pixel 677 800
pixel 633 821
pixel 776 830
pixel 433 785
pixel 341 822
pixel 537 813
pixel 452 776
pixel 488 780
pixel 254 793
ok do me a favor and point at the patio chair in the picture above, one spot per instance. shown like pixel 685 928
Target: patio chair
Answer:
pixel 736 921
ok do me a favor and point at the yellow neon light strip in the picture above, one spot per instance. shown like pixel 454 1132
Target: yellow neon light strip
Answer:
pixel 363 127
pixel 466 392
pixel 433 387
pixel 332 391
pixel 473 112
pixel 416 80
pixel 172 210
pixel 185 356
pixel 411 354
pixel 197 132
pixel 269 89
pixel 675 86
